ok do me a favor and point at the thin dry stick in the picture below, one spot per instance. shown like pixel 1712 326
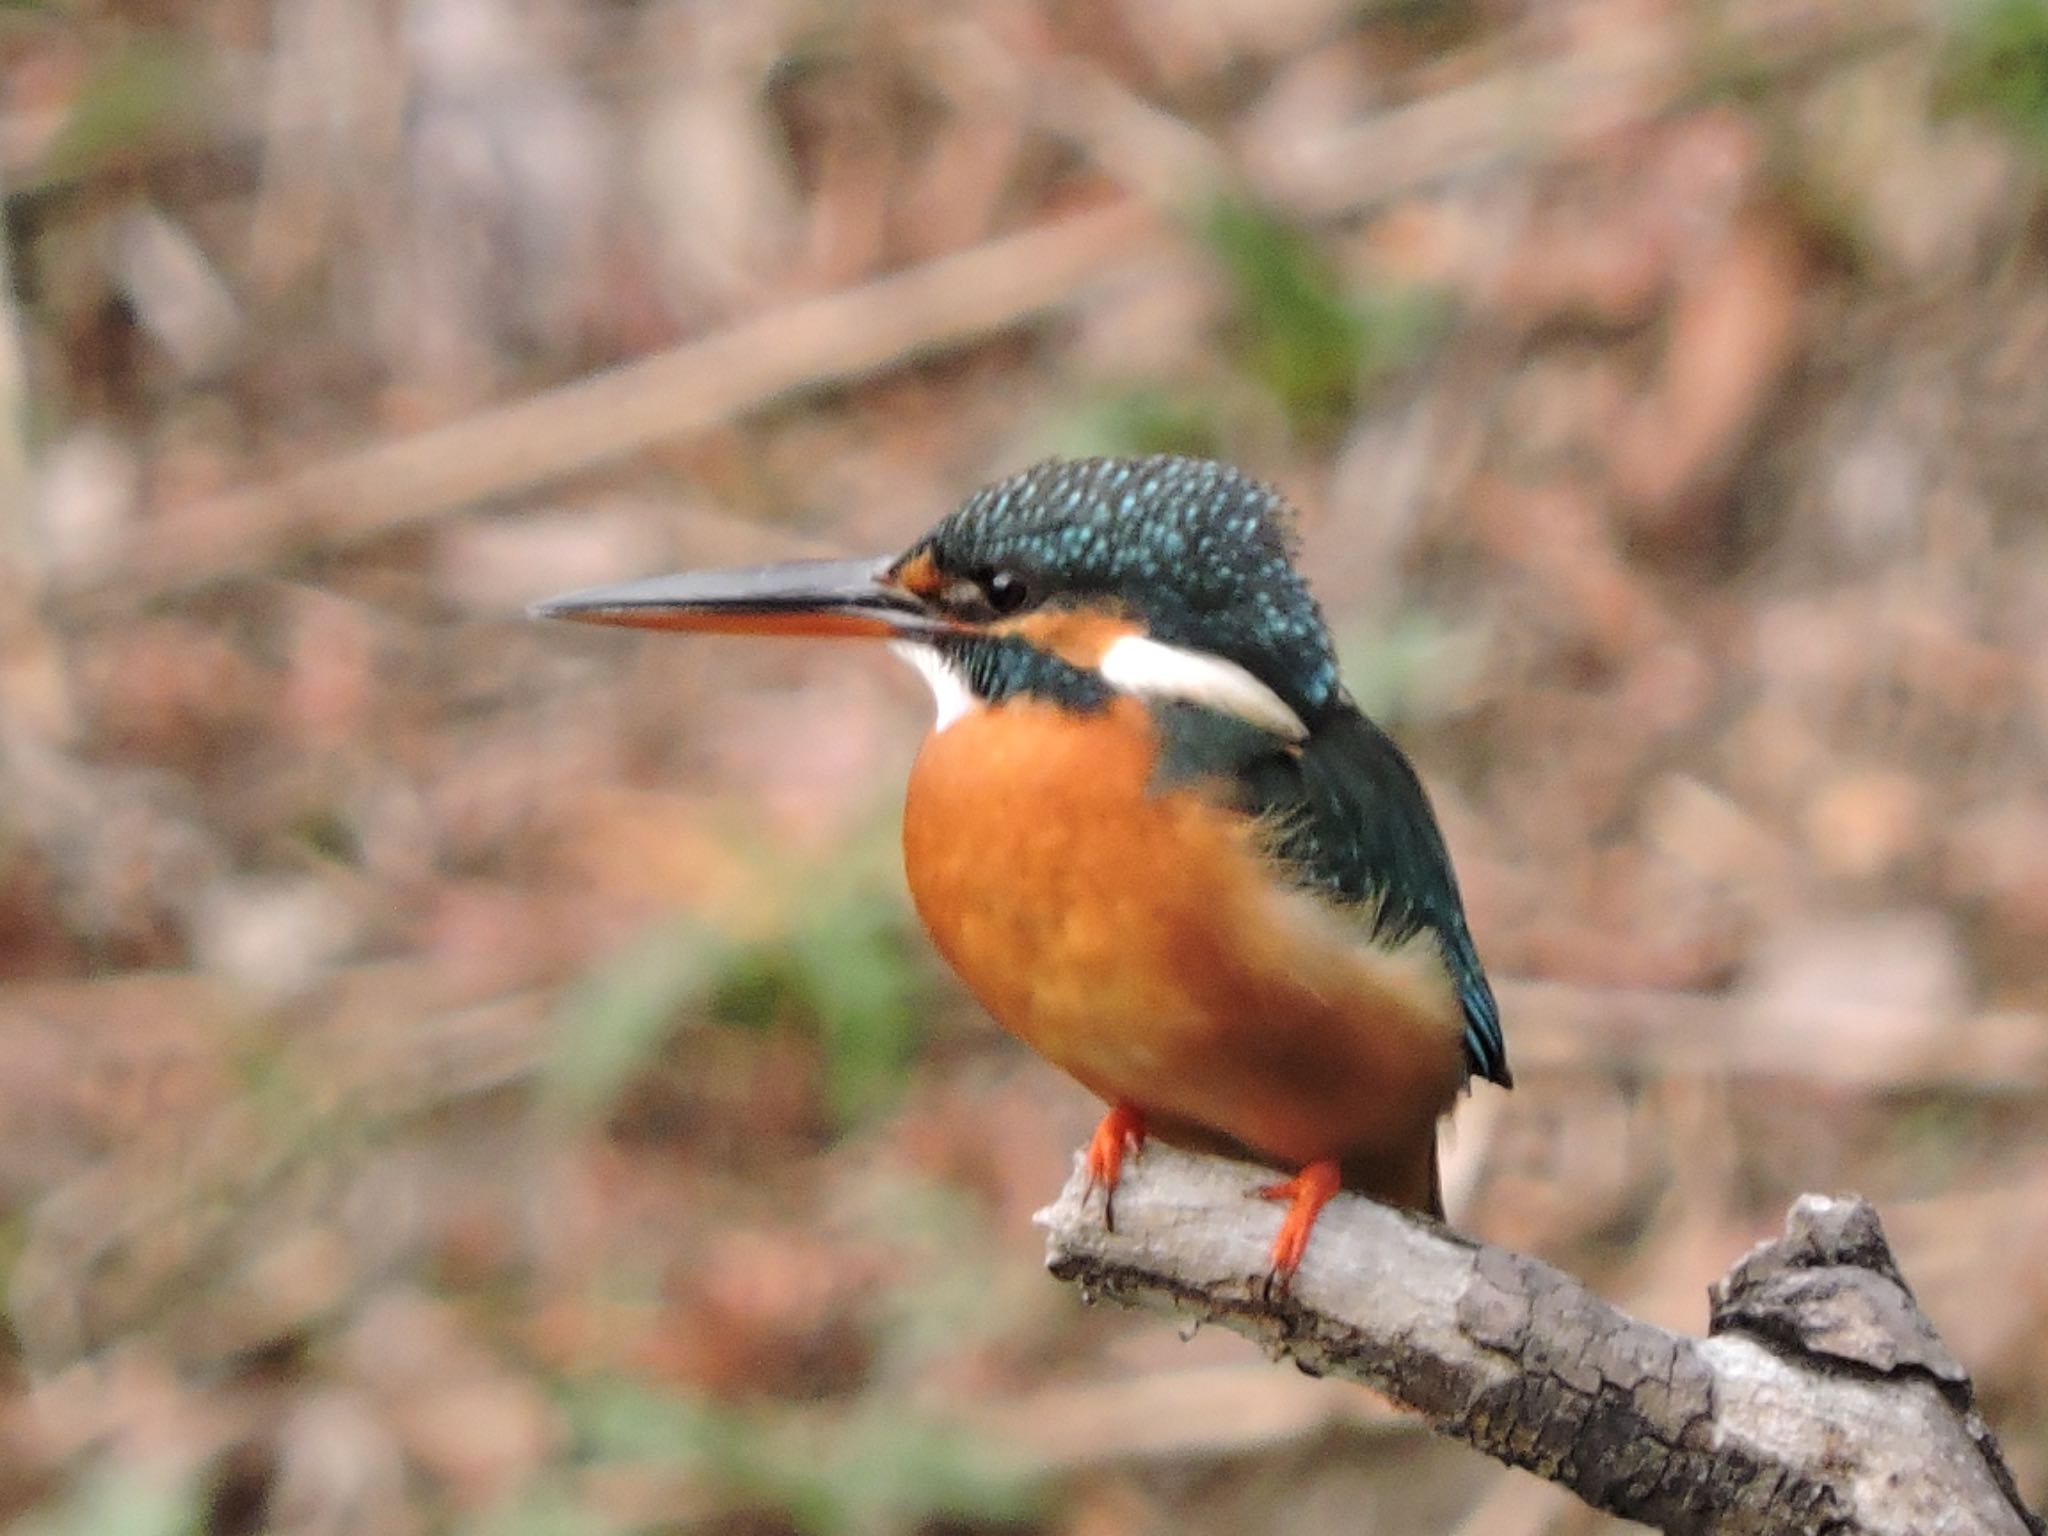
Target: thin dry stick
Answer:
pixel 1562 1026
pixel 498 452
pixel 944 302
pixel 36 704
pixel 1821 1401
pixel 1537 111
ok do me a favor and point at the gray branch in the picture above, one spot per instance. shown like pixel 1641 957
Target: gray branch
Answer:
pixel 1821 1401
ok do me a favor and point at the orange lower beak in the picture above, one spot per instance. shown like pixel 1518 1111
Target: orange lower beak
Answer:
pixel 836 598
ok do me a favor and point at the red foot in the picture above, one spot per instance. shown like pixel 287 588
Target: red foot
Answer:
pixel 1306 1194
pixel 1122 1127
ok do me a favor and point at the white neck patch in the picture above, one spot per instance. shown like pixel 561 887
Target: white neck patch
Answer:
pixel 949 689
pixel 1145 669
pixel 1152 669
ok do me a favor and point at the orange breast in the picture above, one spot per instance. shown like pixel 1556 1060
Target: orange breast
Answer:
pixel 1141 943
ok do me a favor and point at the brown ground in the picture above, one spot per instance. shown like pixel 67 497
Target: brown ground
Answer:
pixel 464 1075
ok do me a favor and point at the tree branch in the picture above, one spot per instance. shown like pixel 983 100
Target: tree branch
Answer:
pixel 1821 1401
pixel 824 339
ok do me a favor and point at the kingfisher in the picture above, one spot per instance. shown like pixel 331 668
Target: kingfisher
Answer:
pixel 1150 829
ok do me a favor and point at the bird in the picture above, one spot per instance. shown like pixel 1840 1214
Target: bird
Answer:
pixel 1150 829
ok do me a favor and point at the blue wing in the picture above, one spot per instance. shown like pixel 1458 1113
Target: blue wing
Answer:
pixel 1354 823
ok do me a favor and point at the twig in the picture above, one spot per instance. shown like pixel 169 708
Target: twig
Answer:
pixel 36 704
pixel 1821 1401
pixel 511 448
pixel 1562 1026
pixel 1537 111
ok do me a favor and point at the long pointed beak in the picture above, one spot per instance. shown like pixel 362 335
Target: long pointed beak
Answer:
pixel 842 598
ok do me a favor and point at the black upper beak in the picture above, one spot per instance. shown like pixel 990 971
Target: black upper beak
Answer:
pixel 794 597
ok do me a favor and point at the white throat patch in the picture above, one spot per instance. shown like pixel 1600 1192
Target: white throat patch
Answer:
pixel 1155 670
pixel 949 689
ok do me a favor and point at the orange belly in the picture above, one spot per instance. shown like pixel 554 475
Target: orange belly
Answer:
pixel 1140 942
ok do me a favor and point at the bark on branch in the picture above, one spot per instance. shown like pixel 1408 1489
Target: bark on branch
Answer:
pixel 1821 1400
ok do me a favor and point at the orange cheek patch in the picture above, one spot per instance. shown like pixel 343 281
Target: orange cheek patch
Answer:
pixel 838 626
pixel 919 574
pixel 1074 635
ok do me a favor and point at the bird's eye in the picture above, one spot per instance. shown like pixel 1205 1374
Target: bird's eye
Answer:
pixel 1006 591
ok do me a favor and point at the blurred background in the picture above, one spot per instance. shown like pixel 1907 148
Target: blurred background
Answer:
pixel 464 1075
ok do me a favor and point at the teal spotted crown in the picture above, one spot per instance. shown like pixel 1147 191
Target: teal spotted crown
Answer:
pixel 1199 553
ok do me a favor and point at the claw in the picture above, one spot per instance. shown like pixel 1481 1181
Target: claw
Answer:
pixel 1123 1127
pixel 1306 1194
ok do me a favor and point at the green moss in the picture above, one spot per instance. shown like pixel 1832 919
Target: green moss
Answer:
pixel 1315 347
pixel 1412 670
pixel 871 1468
pixel 609 1028
pixel 145 93
pixel 1996 66
pixel 1143 420
pixel 108 1500
pixel 843 964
